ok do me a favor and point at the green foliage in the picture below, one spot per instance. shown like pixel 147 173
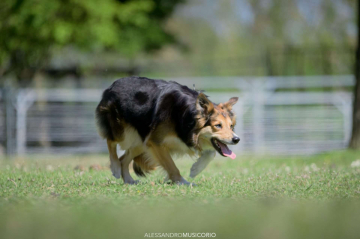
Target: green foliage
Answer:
pixel 31 29
pixel 259 38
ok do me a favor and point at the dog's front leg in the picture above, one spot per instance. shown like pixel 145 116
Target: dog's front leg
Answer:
pixel 202 162
pixel 164 159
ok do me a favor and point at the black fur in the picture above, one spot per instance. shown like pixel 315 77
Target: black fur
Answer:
pixel 144 103
pixel 138 171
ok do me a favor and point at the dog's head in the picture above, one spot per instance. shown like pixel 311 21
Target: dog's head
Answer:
pixel 216 125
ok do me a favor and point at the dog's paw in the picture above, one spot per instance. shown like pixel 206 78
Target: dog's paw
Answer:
pixel 116 170
pixel 132 182
pixel 184 182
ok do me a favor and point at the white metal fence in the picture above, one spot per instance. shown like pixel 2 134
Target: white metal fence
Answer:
pixel 278 115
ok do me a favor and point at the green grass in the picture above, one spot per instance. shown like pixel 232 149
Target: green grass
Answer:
pixel 256 197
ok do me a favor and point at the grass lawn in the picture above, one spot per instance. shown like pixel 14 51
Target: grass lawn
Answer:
pixel 249 197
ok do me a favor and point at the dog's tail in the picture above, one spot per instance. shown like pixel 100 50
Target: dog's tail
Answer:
pixel 143 165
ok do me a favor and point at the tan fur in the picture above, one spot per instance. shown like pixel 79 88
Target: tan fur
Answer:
pixel 220 114
pixel 115 164
pixel 130 138
pixel 163 158
pixel 220 117
pixel 145 163
pixel 125 161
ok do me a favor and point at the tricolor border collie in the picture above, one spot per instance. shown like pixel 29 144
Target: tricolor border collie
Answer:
pixel 152 120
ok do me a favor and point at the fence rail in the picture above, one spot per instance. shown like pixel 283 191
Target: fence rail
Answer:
pixel 274 115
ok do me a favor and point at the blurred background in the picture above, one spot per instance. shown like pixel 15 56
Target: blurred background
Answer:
pixel 291 63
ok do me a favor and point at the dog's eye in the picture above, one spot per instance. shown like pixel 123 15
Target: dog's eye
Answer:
pixel 218 126
pixel 232 126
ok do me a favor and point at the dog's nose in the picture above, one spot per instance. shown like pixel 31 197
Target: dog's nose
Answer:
pixel 236 140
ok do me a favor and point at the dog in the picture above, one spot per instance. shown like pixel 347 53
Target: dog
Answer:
pixel 153 120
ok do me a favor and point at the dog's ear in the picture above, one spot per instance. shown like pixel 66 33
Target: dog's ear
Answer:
pixel 203 104
pixel 231 102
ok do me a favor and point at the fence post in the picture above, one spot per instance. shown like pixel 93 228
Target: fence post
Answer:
pixel 9 118
pixel 258 115
pixel 240 123
pixel 344 104
pixel 347 111
pixel 24 100
pixel 347 107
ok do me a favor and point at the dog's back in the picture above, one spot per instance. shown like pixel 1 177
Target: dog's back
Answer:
pixel 128 100
pixel 142 103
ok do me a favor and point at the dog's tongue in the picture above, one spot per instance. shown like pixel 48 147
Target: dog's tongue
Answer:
pixel 226 151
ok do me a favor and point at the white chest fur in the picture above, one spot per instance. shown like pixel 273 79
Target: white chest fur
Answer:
pixel 177 147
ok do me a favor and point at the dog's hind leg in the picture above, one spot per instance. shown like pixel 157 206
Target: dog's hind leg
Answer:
pixel 115 164
pixel 205 158
pixel 125 160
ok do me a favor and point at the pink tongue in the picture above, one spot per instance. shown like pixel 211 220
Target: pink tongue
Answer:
pixel 226 151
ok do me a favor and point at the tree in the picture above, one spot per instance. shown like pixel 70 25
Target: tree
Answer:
pixel 30 30
pixel 355 138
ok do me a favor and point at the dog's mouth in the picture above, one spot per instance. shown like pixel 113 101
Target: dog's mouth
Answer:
pixel 222 149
